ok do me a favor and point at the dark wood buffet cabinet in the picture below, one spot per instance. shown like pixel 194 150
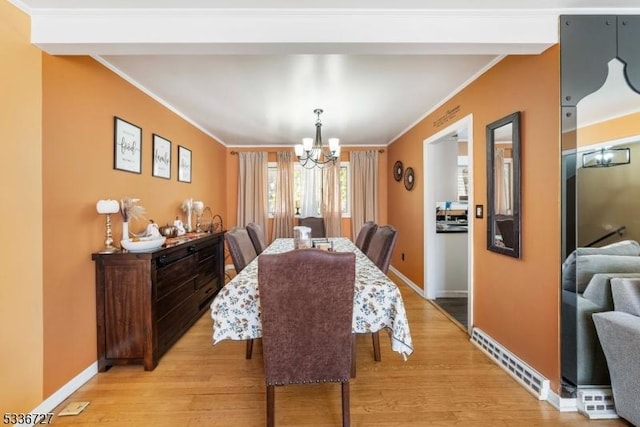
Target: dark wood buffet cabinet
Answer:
pixel 147 301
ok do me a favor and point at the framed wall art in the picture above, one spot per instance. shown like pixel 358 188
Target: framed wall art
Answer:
pixel 184 164
pixel 398 171
pixel 127 146
pixel 409 179
pixel 161 157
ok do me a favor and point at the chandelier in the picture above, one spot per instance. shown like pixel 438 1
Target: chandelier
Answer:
pixel 312 154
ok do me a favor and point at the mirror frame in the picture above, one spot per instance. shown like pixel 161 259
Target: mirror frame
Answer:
pixel 514 120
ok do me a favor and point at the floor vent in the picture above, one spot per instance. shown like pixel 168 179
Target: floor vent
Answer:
pixel 597 403
pixel 520 371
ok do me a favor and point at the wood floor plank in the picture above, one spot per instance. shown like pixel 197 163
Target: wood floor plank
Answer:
pixel 446 382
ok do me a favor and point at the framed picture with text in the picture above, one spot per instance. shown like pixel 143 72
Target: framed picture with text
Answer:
pixel 127 146
pixel 161 157
pixel 184 164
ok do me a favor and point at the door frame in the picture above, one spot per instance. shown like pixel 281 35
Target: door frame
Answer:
pixel 429 160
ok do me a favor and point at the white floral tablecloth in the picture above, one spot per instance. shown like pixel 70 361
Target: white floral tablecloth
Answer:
pixel 377 301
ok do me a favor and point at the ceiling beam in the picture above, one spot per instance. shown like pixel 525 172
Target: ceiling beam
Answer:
pixel 291 31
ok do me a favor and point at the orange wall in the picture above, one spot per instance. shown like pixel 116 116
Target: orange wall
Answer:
pixel 21 216
pixel 609 130
pixel 232 185
pixel 516 301
pixel 80 99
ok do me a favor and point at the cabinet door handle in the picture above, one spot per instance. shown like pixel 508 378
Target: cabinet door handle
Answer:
pixel 162 261
pixel 193 248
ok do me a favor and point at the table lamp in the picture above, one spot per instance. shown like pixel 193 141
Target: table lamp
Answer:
pixel 108 207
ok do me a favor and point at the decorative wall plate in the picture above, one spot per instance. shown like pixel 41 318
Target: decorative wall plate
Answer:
pixel 398 171
pixel 409 179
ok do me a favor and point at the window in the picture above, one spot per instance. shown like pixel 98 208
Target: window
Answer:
pixel 463 178
pixel 345 188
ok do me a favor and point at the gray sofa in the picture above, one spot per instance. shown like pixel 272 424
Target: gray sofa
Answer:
pixel 619 333
pixel 586 289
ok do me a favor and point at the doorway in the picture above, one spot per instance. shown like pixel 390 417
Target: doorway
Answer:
pixel 448 226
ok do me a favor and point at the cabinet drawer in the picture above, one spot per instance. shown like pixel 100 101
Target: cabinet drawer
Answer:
pixel 207 271
pixel 174 274
pixel 174 324
pixel 206 252
pixel 206 294
pixel 178 294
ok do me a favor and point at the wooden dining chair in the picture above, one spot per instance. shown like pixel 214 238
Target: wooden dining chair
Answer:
pixel 379 251
pixel 256 234
pixel 316 225
pixel 365 234
pixel 306 320
pixel 242 253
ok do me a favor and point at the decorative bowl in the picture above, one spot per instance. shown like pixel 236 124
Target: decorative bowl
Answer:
pixel 144 244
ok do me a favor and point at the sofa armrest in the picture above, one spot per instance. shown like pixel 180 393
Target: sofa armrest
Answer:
pixel 620 337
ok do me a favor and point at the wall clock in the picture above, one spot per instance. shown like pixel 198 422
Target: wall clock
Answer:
pixel 409 179
pixel 397 171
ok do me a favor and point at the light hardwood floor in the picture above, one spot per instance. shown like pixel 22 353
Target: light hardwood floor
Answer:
pixel 447 381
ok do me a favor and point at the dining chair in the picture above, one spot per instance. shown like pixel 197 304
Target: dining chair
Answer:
pixel 365 234
pixel 379 251
pixel 242 253
pixel 306 320
pixel 256 234
pixel 316 225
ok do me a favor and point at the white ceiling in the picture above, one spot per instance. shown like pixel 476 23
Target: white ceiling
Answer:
pixel 251 72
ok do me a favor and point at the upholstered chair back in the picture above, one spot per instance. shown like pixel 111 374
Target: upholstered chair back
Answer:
pixel 316 225
pixel 256 234
pixel 240 247
pixel 381 246
pixel 306 303
pixel 367 231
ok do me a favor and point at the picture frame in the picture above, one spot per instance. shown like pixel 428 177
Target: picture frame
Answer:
pixel 161 162
pixel 127 146
pixel 184 164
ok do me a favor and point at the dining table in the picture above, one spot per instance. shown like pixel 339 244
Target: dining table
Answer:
pixel 377 302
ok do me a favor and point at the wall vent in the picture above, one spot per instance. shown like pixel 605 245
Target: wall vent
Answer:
pixel 520 371
pixel 597 403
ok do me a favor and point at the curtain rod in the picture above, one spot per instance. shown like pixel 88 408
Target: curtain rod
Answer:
pixel 233 153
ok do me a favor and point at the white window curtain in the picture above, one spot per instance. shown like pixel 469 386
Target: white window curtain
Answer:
pixel 252 189
pixel 283 212
pixel 331 201
pixel 364 188
pixel 310 180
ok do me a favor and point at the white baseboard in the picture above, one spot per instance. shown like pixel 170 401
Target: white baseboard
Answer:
pixel 407 281
pixel 452 294
pixel 65 391
pixel 562 404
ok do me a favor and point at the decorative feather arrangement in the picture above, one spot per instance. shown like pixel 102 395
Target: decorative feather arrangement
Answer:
pixel 129 209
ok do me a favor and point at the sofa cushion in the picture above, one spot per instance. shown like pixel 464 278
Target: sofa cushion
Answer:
pixel 588 265
pixel 624 247
pixel 598 290
pixel 626 295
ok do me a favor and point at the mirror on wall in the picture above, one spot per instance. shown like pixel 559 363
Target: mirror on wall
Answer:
pixel 607 135
pixel 503 185
pixel 600 96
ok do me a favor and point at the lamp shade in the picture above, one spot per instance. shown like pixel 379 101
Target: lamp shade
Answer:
pixel 107 206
